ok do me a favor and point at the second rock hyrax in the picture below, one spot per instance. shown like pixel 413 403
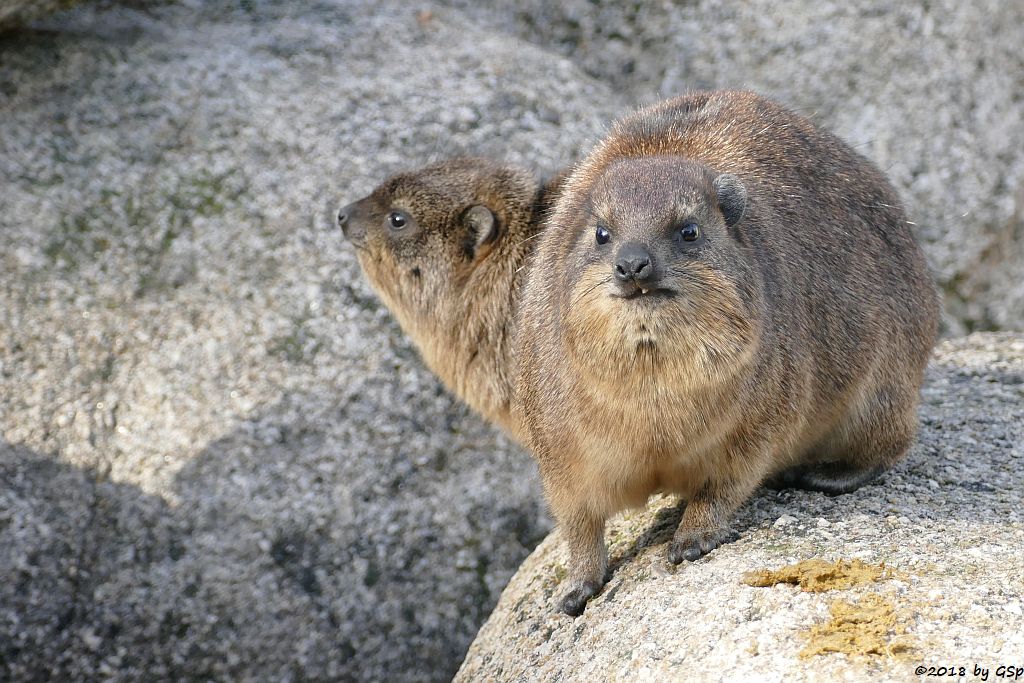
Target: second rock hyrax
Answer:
pixel 723 295
pixel 446 246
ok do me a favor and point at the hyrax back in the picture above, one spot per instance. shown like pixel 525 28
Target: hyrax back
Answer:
pixel 444 246
pixel 723 295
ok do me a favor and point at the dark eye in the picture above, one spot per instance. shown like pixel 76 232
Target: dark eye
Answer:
pixel 602 235
pixel 397 220
pixel 689 232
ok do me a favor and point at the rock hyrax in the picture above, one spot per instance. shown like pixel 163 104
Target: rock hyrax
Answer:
pixel 445 247
pixel 723 295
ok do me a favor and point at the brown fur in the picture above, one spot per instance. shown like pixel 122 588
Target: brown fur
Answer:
pixel 788 346
pixel 457 300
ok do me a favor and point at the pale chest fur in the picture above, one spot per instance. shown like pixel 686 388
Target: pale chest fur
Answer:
pixel 628 450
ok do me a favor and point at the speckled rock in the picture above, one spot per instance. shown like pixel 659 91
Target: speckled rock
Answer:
pixel 220 459
pixel 948 520
pixel 931 91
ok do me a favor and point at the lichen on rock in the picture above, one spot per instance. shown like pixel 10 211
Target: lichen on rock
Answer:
pixel 817 575
pixel 869 626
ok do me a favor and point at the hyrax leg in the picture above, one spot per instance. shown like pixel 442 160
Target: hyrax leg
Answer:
pixel 588 559
pixel 868 441
pixel 705 522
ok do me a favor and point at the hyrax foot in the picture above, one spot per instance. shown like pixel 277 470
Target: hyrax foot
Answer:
pixel 576 599
pixel 693 545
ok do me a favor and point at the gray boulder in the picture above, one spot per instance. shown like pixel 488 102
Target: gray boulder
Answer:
pixel 220 459
pixel 948 522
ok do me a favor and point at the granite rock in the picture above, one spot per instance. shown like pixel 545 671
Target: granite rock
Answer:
pixel 219 457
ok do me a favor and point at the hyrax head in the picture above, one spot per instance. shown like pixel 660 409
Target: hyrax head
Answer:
pixel 423 238
pixel 659 268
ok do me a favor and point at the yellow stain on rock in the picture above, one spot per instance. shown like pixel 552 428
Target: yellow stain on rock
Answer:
pixel 871 626
pixel 818 576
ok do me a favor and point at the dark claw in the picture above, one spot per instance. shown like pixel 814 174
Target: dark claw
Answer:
pixel 576 599
pixel 696 545
pixel 694 552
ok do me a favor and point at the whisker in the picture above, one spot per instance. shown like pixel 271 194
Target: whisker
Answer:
pixel 527 239
pixel 685 275
pixel 587 291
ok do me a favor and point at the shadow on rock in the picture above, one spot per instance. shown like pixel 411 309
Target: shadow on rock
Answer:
pixel 320 540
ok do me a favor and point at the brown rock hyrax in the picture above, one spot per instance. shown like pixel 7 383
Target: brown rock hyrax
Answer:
pixel 445 248
pixel 723 295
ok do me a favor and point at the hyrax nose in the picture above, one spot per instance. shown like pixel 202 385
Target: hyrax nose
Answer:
pixel 349 227
pixel 633 263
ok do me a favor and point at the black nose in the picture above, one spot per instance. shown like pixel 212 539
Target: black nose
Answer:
pixel 351 226
pixel 634 263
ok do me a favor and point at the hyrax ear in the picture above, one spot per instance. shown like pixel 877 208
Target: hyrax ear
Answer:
pixel 732 197
pixel 482 224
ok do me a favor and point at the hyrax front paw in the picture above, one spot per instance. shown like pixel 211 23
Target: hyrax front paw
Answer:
pixel 693 545
pixel 576 599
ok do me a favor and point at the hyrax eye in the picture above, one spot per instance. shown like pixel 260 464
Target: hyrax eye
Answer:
pixel 602 235
pixel 689 232
pixel 397 220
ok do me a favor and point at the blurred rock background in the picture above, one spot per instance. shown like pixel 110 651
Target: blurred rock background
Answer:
pixel 219 457
pixel 15 13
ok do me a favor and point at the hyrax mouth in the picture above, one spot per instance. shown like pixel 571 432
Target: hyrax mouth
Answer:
pixel 647 295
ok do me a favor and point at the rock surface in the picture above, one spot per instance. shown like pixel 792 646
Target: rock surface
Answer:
pixel 949 521
pixel 219 456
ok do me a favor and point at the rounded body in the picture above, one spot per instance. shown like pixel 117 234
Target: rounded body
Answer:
pixel 723 295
